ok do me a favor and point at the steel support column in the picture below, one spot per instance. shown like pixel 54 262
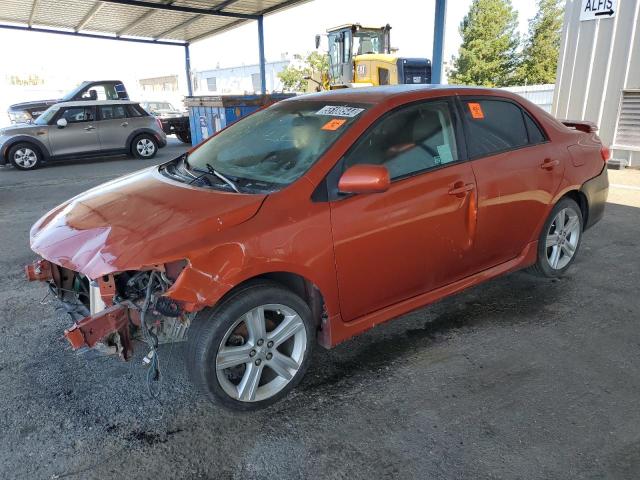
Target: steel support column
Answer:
pixel 438 41
pixel 187 67
pixel 263 73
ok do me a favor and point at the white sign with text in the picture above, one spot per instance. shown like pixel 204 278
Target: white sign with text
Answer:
pixel 598 9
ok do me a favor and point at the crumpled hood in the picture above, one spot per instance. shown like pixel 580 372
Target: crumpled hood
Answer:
pixel 137 221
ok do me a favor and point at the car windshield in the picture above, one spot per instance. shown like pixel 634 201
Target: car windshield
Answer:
pixel 368 41
pixel 159 106
pixel 47 115
pixel 70 95
pixel 276 145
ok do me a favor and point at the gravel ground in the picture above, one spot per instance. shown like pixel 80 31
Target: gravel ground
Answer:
pixel 517 378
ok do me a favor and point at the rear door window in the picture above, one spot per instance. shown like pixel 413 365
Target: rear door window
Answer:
pixel 535 134
pixel 409 140
pixel 493 126
pixel 111 112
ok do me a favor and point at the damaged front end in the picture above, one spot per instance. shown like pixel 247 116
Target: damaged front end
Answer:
pixel 115 309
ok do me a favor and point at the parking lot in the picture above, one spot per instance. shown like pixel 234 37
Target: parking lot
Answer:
pixel 518 378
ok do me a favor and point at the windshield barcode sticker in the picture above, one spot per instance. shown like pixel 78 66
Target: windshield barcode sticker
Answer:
pixel 338 111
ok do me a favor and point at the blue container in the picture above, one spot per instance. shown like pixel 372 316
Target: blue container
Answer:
pixel 210 114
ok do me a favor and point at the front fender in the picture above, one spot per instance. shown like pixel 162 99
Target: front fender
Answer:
pixel 23 138
pixel 205 280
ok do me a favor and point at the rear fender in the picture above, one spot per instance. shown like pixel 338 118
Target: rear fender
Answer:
pixel 140 131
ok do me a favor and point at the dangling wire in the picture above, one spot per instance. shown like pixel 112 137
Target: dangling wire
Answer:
pixel 153 375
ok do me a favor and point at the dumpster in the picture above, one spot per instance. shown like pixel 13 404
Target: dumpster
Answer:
pixel 209 114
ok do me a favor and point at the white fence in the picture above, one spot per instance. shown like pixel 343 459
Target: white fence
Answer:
pixel 541 95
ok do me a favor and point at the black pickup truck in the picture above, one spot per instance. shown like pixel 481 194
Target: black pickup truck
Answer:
pixel 174 121
pixel 88 90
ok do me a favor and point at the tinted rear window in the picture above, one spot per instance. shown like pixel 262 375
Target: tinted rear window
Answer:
pixel 111 112
pixel 535 134
pixel 493 126
pixel 136 110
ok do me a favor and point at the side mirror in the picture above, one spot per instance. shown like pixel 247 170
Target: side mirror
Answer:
pixel 62 122
pixel 365 179
pixel 317 41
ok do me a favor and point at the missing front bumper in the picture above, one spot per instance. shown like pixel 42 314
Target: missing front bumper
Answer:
pixel 113 321
pixel 96 321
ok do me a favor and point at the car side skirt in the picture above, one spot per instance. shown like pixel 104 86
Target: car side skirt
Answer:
pixel 340 331
pixel 85 155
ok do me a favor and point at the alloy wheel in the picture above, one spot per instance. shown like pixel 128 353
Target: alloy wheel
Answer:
pixel 261 353
pixel 145 147
pixel 562 238
pixel 25 157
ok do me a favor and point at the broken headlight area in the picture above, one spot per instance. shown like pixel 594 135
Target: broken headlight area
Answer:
pixel 110 312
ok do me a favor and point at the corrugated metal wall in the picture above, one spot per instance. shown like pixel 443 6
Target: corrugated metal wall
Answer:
pixel 599 59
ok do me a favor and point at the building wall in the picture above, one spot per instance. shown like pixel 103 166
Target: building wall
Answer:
pixel 239 80
pixel 599 60
pixel 167 83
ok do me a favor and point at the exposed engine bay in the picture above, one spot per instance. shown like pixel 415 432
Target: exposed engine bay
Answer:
pixel 109 313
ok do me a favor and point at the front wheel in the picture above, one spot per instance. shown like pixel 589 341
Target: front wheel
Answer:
pixel 559 240
pixel 144 146
pixel 253 349
pixel 25 156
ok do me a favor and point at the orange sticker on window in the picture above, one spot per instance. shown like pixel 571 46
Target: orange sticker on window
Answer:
pixel 334 124
pixel 476 110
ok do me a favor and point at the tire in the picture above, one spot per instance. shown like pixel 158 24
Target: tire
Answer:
pixel 25 156
pixel 184 137
pixel 244 360
pixel 557 249
pixel 144 146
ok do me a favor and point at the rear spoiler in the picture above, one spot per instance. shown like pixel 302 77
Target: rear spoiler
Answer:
pixel 582 125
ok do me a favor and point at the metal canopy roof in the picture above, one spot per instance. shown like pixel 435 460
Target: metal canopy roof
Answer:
pixel 158 21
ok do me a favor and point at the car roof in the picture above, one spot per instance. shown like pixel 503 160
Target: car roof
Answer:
pixel 84 103
pixel 382 93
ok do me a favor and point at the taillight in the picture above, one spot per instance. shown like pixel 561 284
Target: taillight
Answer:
pixel 605 153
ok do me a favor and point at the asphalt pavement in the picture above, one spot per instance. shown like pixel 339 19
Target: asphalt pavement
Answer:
pixel 519 378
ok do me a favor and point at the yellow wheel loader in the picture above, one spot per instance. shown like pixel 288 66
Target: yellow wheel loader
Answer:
pixel 361 57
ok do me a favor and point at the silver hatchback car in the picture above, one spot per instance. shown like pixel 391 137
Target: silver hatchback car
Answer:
pixel 73 130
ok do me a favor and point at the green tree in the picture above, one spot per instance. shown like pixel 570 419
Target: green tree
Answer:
pixel 314 65
pixel 542 47
pixel 292 79
pixel 487 55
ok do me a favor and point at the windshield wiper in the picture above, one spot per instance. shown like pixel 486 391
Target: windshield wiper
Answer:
pixel 213 171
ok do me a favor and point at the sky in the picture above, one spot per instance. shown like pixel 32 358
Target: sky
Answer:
pixel 73 59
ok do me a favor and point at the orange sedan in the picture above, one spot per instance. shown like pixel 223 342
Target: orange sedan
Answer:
pixel 314 220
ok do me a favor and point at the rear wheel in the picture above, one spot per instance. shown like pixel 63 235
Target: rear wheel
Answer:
pixel 144 146
pixel 25 156
pixel 253 349
pixel 559 240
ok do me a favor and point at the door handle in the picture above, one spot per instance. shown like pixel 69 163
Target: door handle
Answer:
pixel 548 164
pixel 460 189
pixel 124 124
pixel 89 128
